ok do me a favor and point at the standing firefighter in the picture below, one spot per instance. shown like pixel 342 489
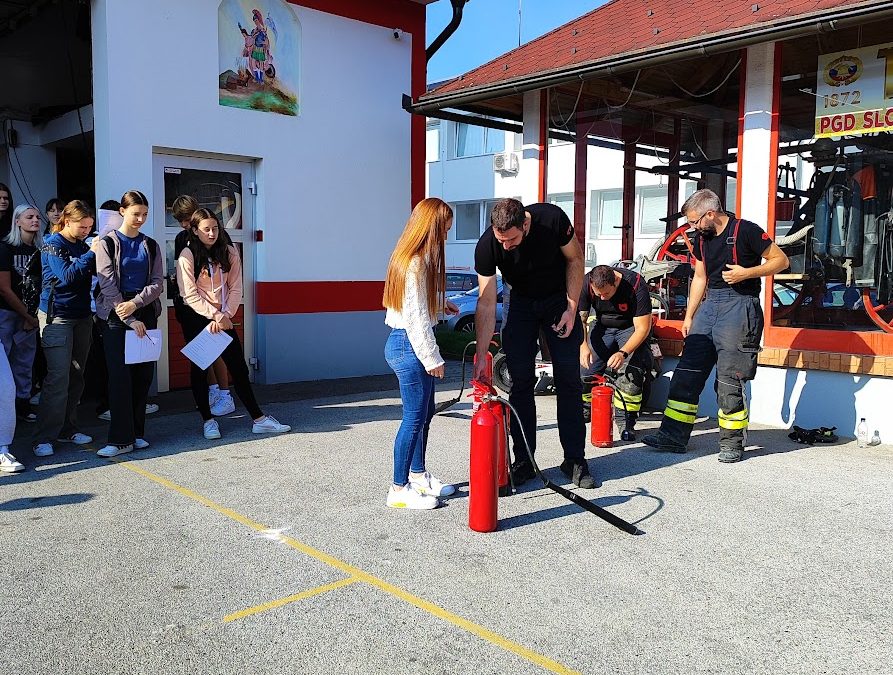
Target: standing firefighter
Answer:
pixel 617 335
pixel 726 331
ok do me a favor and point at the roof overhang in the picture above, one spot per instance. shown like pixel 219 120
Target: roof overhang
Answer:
pixel 825 21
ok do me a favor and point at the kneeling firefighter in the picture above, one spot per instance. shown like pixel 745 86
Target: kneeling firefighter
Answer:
pixel 724 330
pixel 616 337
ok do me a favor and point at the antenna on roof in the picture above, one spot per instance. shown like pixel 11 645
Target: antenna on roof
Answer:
pixel 519 23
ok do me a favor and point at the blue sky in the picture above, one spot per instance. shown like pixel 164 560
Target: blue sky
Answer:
pixel 490 28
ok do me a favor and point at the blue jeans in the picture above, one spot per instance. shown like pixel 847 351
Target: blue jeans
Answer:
pixel 417 393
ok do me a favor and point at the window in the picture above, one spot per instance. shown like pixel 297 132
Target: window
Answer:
pixel 467 220
pixel 472 140
pixel 839 271
pixel 651 207
pixel 564 200
pixel 606 213
pixel 432 141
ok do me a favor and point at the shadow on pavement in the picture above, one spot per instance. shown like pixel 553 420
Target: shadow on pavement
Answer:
pixel 25 503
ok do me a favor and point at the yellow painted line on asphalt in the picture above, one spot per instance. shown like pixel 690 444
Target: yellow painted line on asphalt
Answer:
pixel 291 598
pixel 357 574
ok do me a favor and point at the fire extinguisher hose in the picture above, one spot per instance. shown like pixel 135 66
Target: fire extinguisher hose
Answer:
pixel 443 405
pixel 585 504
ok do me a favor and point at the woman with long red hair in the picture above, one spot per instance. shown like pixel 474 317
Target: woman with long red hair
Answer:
pixel 413 295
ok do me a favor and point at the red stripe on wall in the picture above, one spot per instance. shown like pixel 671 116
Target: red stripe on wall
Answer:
pixel 313 297
pixel 402 14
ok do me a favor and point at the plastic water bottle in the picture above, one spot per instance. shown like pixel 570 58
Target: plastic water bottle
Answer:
pixel 862 433
pixel 876 439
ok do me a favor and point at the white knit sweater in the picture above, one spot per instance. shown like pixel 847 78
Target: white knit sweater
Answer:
pixel 415 318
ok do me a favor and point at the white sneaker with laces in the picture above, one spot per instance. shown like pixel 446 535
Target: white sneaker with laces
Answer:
pixel 410 498
pixel 43 450
pixel 77 438
pixel 114 450
pixel 151 408
pixel 211 430
pixel 269 425
pixel 8 463
pixel 427 484
pixel 107 415
pixel 223 404
pixel 141 444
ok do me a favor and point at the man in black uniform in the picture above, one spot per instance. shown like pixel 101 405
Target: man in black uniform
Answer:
pixel 535 248
pixel 724 330
pixel 617 335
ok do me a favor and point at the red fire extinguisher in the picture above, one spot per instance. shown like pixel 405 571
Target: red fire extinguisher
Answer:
pixel 602 434
pixel 483 474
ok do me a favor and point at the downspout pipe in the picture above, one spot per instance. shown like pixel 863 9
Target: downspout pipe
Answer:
pixel 458 6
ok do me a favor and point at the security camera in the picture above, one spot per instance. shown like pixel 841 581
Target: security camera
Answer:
pixel 398 33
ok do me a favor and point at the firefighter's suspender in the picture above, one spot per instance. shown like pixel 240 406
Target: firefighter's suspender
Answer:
pixel 733 240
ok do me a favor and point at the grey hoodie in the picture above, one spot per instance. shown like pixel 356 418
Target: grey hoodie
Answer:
pixel 108 270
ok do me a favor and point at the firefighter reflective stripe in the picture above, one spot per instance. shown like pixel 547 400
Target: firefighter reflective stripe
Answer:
pixel 681 411
pixel 633 401
pixel 587 398
pixel 735 420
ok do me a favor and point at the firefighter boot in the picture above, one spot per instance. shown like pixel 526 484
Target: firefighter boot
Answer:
pixel 629 427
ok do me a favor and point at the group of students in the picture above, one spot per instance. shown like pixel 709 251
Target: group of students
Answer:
pixel 50 289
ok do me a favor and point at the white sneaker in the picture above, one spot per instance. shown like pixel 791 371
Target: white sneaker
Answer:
pixel 141 444
pixel 43 450
pixel 223 404
pixel 107 415
pixel 77 438
pixel 211 430
pixel 269 425
pixel 8 463
pixel 427 484
pixel 409 498
pixel 151 408
pixel 114 450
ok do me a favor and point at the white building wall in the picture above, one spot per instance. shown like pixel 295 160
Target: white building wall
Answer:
pixel 332 196
pixel 29 169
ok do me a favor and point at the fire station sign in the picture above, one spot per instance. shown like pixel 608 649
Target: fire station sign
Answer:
pixel 854 94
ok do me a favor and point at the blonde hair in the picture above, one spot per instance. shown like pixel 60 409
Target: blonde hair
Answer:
pixel 423 237
pixel 74 211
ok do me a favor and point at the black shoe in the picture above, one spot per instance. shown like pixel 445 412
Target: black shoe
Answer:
pixel 628 434
pixel 660 441
pixel 578 472
pixel 522 471
pixel 728 455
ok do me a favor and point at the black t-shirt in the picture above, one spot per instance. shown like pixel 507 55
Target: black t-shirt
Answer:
pixel 630 300
pixel 749 245
pixel 537 267
pixel 15 259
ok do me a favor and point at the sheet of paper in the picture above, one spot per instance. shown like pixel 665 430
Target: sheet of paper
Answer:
pixel 142 350
pixel 206 348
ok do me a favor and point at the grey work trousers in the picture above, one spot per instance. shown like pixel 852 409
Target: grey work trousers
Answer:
pixel 66 343
pixel 20 345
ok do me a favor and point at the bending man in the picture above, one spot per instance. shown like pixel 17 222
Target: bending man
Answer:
pixel 535 248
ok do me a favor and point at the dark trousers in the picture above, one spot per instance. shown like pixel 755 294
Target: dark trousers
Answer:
pixel 607 341
pixel 725 333
pixel 128 384
pixel 96 381
pixel 519 341
pixel 233 357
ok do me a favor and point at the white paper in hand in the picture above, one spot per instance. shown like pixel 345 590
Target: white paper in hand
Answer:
pixel 206 348
pixel 142 350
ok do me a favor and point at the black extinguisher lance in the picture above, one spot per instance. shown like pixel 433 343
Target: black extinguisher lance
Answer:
pixel 584 504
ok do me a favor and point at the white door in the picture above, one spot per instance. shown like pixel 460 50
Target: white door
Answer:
pixel 221 186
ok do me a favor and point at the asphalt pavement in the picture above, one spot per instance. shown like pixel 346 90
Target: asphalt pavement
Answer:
pixel 258 554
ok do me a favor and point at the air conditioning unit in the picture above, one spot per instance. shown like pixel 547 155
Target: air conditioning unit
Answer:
pixel 505 162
